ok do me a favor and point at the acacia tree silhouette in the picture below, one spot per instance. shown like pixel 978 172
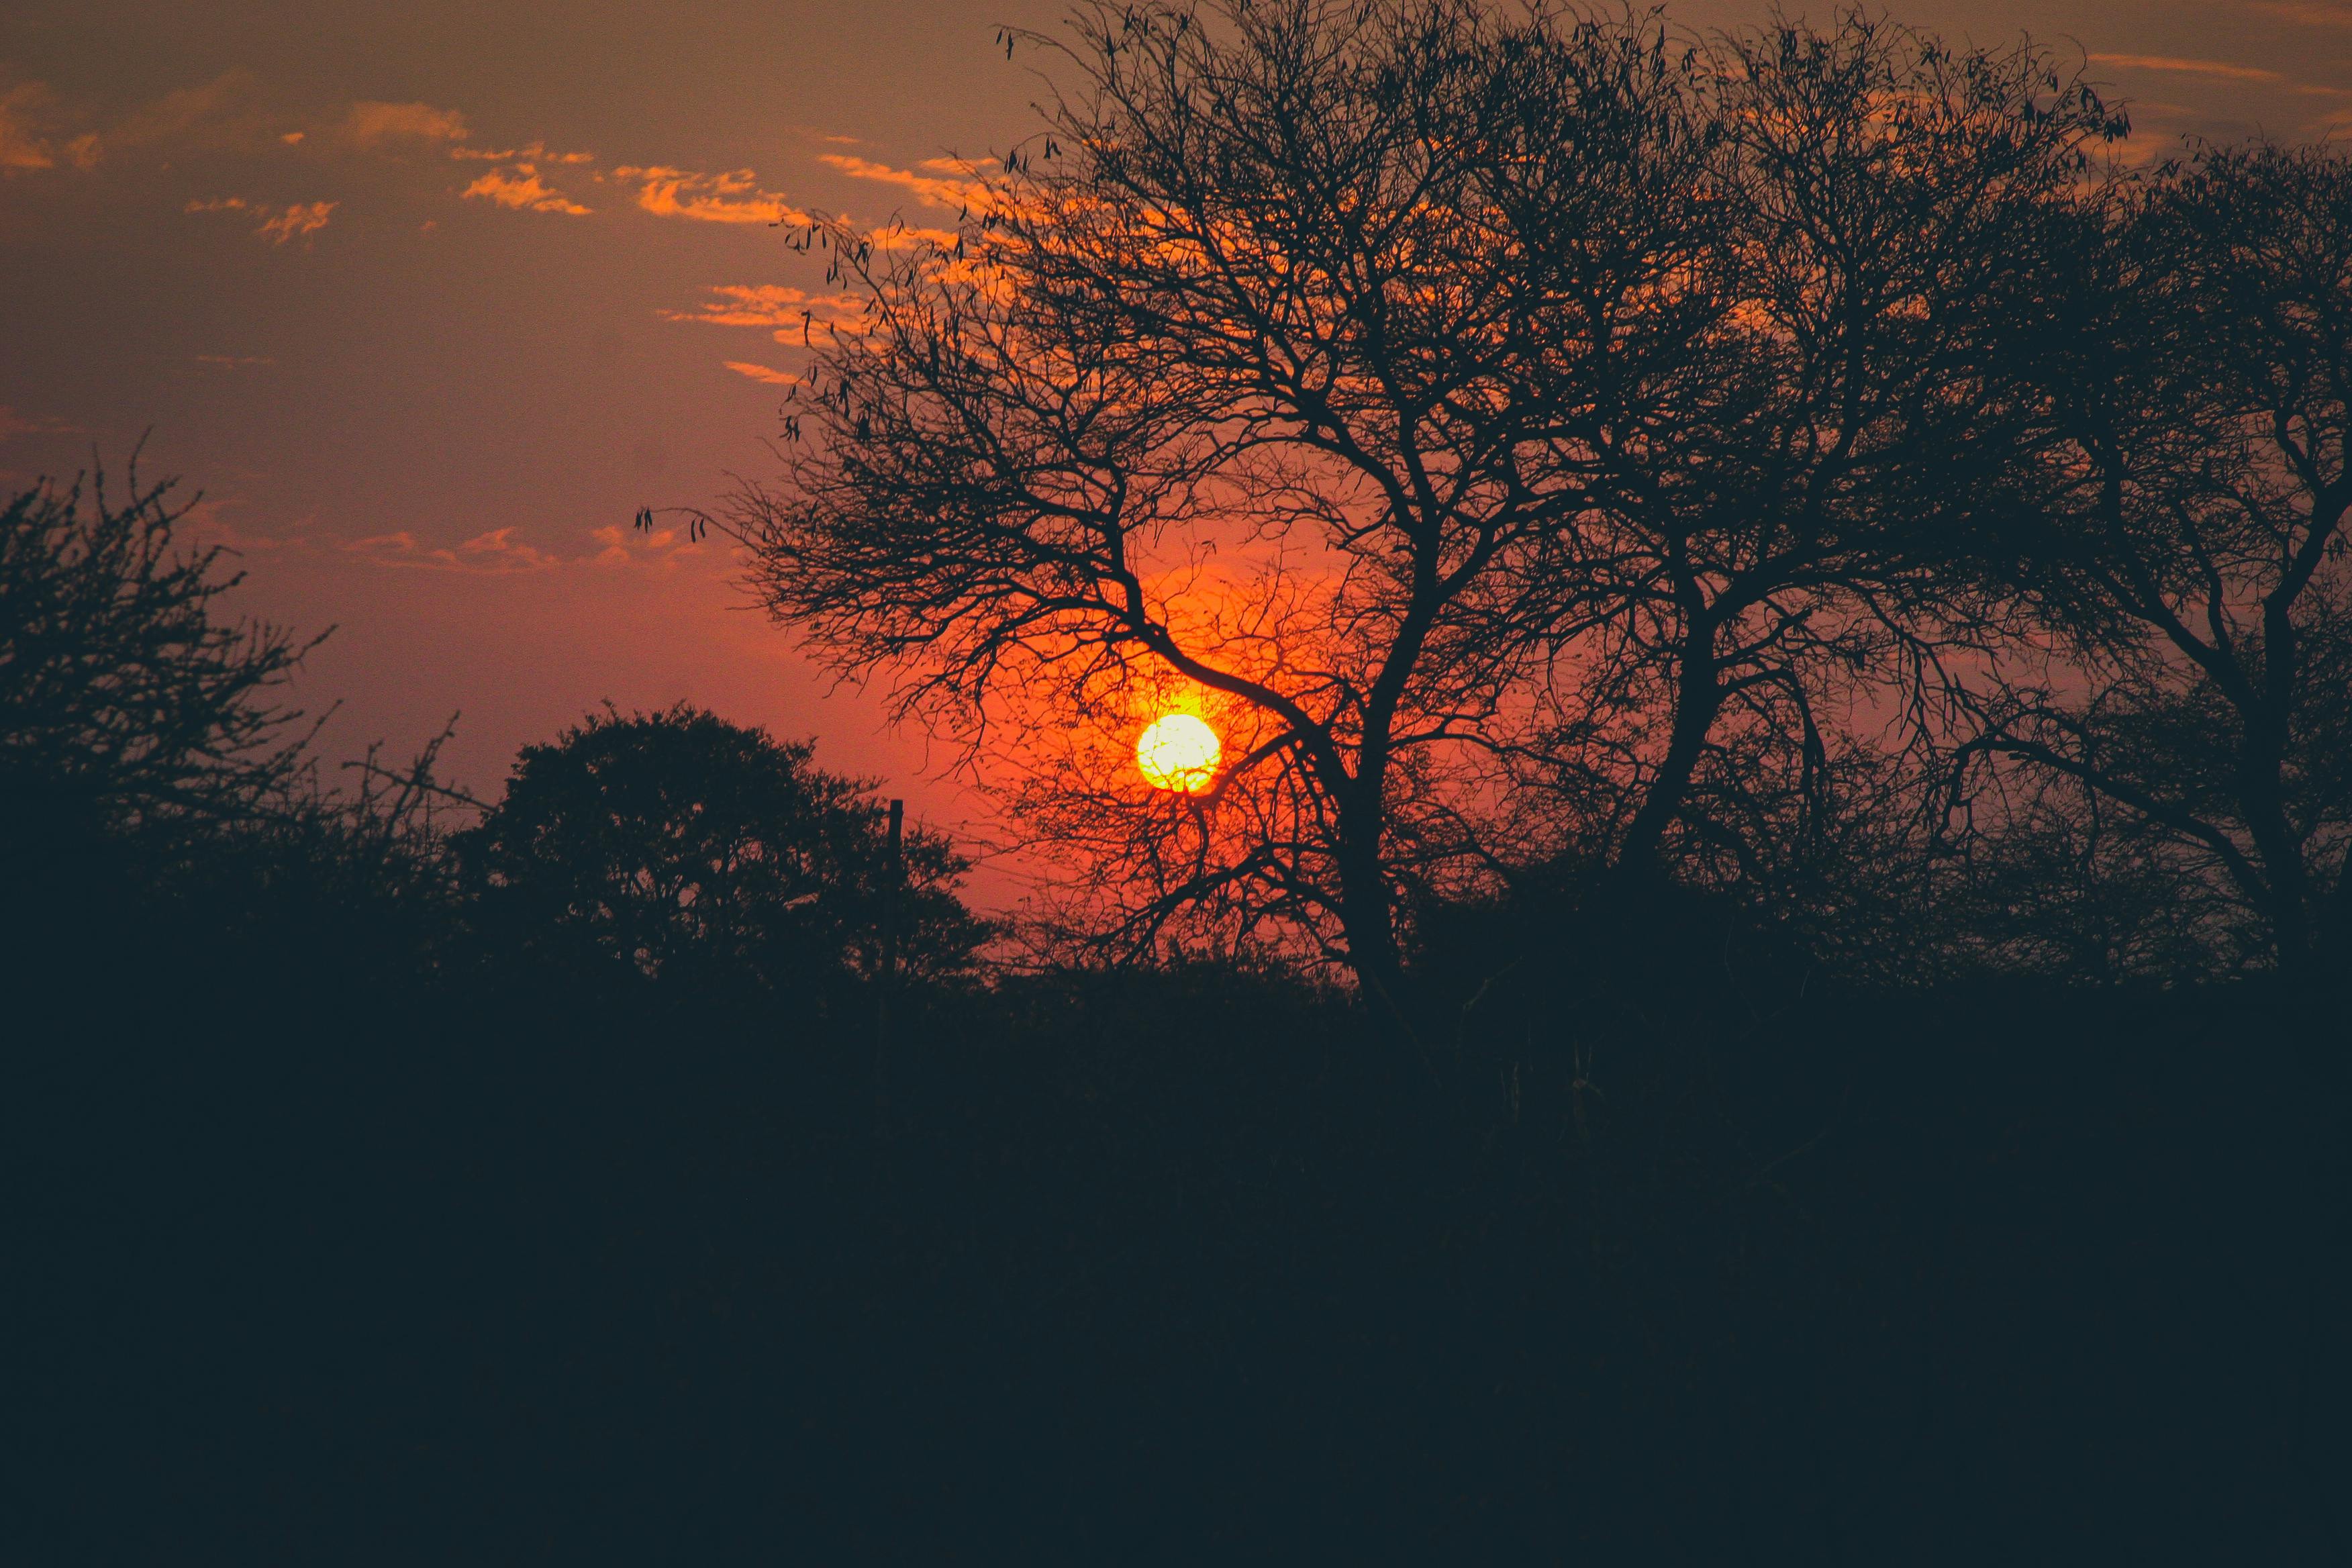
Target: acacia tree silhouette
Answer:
pixel 678 846
pixel 1772 531
pixel 2188 556
pixel 126 705
pixel 1505 430
pixel 1256 296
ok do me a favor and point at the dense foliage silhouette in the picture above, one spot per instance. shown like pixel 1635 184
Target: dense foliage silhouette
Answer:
pixel 684 847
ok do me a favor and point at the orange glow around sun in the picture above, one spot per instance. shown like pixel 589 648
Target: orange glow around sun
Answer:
pixel 1178 752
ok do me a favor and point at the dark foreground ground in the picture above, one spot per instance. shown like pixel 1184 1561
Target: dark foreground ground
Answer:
pixel 309 1263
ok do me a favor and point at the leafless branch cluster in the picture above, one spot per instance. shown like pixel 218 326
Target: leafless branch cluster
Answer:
pixel 122 699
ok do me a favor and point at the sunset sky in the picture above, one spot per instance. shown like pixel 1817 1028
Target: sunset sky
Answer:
pixel 428 298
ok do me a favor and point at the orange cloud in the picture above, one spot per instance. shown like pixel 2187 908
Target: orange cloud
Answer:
pixel 24 144
pixel 732 197
pixel 21 147
pixel 763 305
pixel 494 554
pixel 660 547
pixel 793 316
pixel 2307 14
pixel 536 153
pixel 235 361
pixel 518 186
pixel 12 424
pixel 372 124
pixel 950 182
pixel 762 374
pixel 899 236
pixel 209 521
pixel 2219 70
pixel 225 114
pixel 230 113
pixel 298 221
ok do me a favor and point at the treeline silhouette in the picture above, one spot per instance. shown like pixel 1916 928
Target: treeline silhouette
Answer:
pixel 390 1178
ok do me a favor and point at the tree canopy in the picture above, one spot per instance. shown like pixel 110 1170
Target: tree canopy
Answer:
pixel 686 848
pixel 127 700
pixel 1527 439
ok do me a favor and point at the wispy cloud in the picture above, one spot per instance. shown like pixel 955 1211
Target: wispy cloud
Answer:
pixel 762 374
pixel 536 153
pixel 25 145
pixel 948 184
pixel 660 548
pixel 12 424
pixel 209 519
pixel 901 237
pixel 2216 70
pixel 298 221
pixel 2307 13
pixel 374 125
pixel 494 554
pixel 793 316
pixel 21 147
pixel 734 196
pixel 226 114
pixel 231 113
pixel 763 305
pixel 235 361
pixel 2210 69
pixel 520 186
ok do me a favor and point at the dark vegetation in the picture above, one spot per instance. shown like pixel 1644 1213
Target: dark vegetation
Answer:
pixel 1780 1149
pixel 381 1191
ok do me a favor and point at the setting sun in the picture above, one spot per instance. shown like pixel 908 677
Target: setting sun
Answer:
pixel 1178 752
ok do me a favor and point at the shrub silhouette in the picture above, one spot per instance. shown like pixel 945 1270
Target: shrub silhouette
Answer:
pixel 127 705
pixel 678 847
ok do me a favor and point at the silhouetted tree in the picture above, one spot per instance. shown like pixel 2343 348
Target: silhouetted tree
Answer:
pixel 1445 406
pixel 358 860
pixel 2190 558
pixel 1770 542
pixel 1255 301
pixel 680 847
pixel 126 701
pixel 163 821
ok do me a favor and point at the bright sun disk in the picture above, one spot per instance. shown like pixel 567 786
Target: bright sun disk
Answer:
pixel 1178 752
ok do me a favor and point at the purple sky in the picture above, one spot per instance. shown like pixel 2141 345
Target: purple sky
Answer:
pixel 428 298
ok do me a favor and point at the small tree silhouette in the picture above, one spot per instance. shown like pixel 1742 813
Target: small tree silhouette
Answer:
pixel 126 704
pixel 678 846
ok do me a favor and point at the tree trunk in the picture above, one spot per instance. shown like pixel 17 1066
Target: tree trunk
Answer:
pixel 1697 700
pixel 2286 898
pixel 1366 915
